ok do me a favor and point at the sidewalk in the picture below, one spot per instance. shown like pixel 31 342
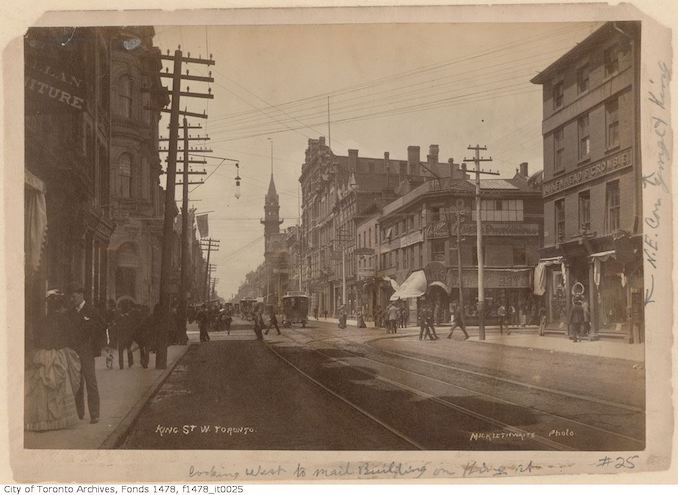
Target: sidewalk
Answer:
pixel 122 394
pixel 520 337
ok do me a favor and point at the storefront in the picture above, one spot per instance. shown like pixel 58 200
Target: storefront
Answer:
pixel 609 280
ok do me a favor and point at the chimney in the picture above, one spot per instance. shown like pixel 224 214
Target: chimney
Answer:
pixel 321 140
pixel 463 168
pixel 523 169
pixel 352 161
pixel 413 160
pixel 433 153
pixel 454 168
pixel 387 168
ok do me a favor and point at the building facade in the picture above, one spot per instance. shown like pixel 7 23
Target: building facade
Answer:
pixel 137 206
pixel 335 191
pixel 592 237
pixel 67 145
pixel 418 233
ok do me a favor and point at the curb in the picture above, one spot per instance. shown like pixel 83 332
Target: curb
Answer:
pixel 115 438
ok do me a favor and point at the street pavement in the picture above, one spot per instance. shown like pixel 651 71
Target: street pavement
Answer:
pixel 322 387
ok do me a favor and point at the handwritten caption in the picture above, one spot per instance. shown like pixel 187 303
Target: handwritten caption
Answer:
pixel 661 127
pixel 406 470
pixel 163 430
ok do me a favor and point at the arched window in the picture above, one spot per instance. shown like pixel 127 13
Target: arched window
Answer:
pixel 125 174
pixel 125 96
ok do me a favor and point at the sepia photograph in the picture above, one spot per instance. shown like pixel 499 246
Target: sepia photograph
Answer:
pixel 344 237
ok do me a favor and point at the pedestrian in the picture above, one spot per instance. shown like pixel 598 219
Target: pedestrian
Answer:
pixel 90 331
pixel 203 323
pixel 393 313
pixel 586 327
pixel 576 320
pixel 315 313
pixel 458 321
pixel 53 372
pixel 377 316
pixel 273 322
pixel 403 316
pixel 258 324
pixel 424 330
pixel 428 311
pixel 501 316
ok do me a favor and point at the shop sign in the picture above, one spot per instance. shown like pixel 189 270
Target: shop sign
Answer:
pixel 595 170
pixel 440 230
pixel 493 278
pixel 53 82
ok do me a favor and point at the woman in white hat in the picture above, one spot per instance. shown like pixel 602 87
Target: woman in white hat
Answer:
pixel 53 371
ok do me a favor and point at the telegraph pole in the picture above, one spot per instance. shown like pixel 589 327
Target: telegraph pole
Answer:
pixel 460 214
pixel 211 245
pixel 166 261
pixel 479 235
pixel 186 232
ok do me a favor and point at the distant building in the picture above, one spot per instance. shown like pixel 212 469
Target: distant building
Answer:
pixel 335 190
pixel 275 250
pixel 592 181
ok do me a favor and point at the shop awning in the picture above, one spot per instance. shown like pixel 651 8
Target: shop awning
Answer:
pixel 604 255
pixel 440 284
pixel 35 220
pixel 393 283
pixel 414 286
pixel 539 281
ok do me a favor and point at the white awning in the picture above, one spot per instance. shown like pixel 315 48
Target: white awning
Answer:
pixel 604 255
pixel 393 283
pixel 414 286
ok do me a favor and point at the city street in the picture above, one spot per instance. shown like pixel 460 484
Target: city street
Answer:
pixel 320 388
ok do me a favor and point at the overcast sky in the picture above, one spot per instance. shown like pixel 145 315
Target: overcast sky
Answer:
pixel 389 86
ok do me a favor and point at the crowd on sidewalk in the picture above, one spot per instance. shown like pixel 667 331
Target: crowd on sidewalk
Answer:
pixel 60 364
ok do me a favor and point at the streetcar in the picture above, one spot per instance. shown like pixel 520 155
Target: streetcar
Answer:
pixel 295 309
pixel 247 307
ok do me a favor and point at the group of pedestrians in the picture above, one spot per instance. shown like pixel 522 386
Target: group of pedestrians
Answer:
pixel 215 317
pixel 260 327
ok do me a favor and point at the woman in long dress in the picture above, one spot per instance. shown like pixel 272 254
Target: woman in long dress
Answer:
pixel 53 371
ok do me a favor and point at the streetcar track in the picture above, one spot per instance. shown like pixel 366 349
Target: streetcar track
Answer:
pixel 571 395
pixel 468 412
pixel 362 411
pixel 475 392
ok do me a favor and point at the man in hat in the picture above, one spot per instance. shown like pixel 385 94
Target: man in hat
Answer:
pixel 576 320
pixel 90 331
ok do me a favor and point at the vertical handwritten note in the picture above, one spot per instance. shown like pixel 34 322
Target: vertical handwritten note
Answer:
pixel 656 181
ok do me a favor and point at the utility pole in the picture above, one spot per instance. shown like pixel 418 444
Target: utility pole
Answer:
pixel 211 245
pixel 166 261
pixel 479 235
pixel 459 214
pixel 186 232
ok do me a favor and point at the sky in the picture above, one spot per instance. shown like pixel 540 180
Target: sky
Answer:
pixel 387 86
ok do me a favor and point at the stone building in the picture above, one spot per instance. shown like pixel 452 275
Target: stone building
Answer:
pixel 417 243
pixel 335 190
pixel 592 181
pixel 136 200
pixel 68 220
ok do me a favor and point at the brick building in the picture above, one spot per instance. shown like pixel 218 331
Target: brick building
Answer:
pixel 335 191
pixel 68 221
pixel 418 232
pixel 592 181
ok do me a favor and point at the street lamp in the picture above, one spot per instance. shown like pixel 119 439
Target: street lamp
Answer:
pixel 237 181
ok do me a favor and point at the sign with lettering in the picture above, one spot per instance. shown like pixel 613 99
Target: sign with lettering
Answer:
pixel 443 230
pixel 494 278
pixel 595 170
pixel 53 82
